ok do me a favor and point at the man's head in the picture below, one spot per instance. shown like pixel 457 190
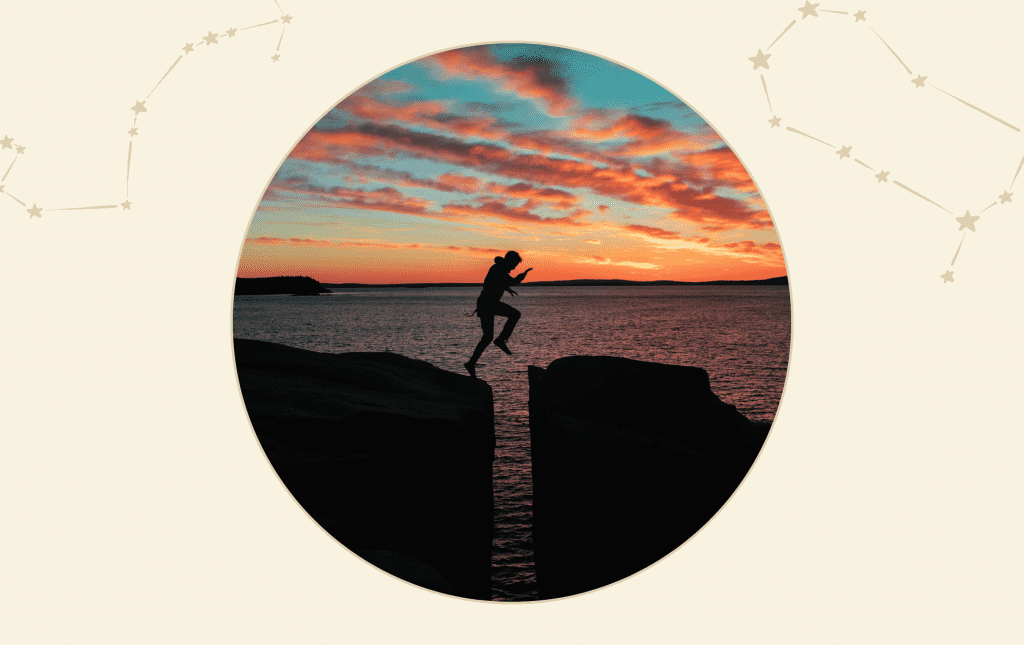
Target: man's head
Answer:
pixel 513 259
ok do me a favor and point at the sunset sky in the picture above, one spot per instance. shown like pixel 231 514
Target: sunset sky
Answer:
pixel 586 168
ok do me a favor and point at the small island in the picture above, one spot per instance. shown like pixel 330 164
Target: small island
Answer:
pixel 294 285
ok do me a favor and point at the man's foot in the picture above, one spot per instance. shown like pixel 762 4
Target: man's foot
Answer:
pixel 500 343
pixel 471 368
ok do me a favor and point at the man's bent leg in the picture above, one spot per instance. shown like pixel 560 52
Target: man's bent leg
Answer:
pixel 512 314
pixel 487 325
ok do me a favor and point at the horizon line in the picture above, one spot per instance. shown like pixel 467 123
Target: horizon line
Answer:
pixel 535 282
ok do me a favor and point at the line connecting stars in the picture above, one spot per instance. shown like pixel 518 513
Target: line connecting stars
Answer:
pixel 967 221
pixel 211 38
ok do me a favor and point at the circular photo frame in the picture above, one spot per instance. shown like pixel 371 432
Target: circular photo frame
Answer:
pixel 511 322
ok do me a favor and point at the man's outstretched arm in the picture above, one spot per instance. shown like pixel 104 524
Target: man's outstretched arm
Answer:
pixel 519 278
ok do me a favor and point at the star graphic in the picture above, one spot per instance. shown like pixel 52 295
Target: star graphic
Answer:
pixel 967 221
pixel 231 32
pixel 140 106
pixel 761 60
pixel 775 121
pixel 188 48
pixel 1005 197
pixel 210 38
pixel 275 57
pixel 1 189
pixel 882 176
pixel 919 81
pixel 947 277
pixel 844 151
pixel 808 9
pixel 860 16
pixel 35 211
pixel 6 141
pixel 126 205
pixel 286 18
pixel 133 131
pixel 21 150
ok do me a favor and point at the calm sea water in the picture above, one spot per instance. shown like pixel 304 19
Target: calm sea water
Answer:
pixel 739 335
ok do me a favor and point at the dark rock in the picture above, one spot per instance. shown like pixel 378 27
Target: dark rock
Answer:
pixel 295 285
pixel 392 456
pixel 629 460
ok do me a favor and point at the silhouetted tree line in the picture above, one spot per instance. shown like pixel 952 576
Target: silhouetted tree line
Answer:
pixel 296 285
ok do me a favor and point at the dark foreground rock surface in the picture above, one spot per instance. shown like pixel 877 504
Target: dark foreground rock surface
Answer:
pixel 629 460
pixel 392 456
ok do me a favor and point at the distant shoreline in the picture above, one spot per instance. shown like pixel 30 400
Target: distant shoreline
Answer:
pixel 779 281
pixel 306 286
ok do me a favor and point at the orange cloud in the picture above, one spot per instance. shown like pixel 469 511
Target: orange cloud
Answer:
pixel 767 254
pixel 455 182
pixel 713 219
pixel 652 231
pixel 749 246
pixel 548 143
pixel 646 136
pixel 430 114
pixel 665 189
pixel 528 78
pixel 381 86
pixel 264 240
pixel 723 167
pixel 553 197
pixel 597 259
pixel 308 242
pixel 497 209
pixel 390 199
pixel 386 199
pixel 367 107
pixel 449 182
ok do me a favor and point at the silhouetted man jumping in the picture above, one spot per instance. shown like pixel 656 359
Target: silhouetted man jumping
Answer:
pixel 489 305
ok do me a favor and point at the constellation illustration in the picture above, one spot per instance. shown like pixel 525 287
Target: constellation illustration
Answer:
pixel 966 221
pixel 209 40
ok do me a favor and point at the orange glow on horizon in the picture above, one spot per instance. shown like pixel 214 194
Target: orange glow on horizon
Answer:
pixel 381 263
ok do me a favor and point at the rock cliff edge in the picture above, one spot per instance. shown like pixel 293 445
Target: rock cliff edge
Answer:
pixel 392 456
pixel 630 459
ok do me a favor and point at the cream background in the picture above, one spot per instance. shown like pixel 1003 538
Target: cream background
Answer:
pixel 137 505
